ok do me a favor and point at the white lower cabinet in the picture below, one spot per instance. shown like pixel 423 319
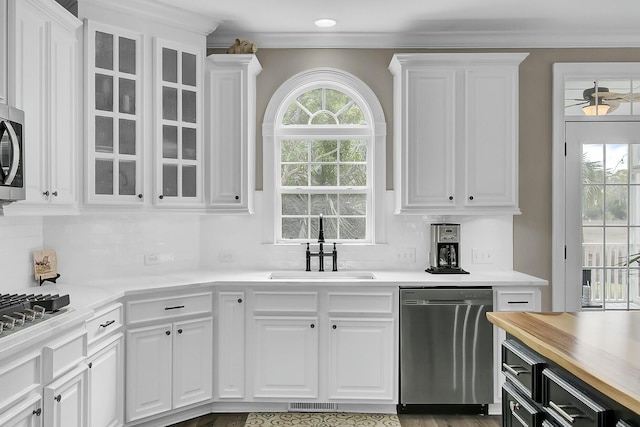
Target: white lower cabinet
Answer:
pixel 168 366
pixel 28 413
pixel 106 384
pixel 286 357
pixel 316 345
pixel 65 400
pixel 230 362
pixel 361 354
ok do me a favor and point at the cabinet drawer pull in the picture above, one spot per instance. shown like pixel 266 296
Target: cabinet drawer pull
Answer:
pixel 560 409
pixel 313 326
pixel 513 405
pixel 517 302
pixel 515 370
pixel 37 412
pixel 239 300
pixel 58 398
pixel 167 333
pixel 179 331
pixel 107 324
pixel 55 193
pixel 174 308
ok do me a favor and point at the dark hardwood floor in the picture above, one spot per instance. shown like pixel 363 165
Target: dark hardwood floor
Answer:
pixel 407 420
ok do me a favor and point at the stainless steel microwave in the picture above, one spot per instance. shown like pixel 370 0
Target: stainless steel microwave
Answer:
pixel 11 154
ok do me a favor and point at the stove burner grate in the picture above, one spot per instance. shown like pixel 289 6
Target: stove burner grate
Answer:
pixel 18 310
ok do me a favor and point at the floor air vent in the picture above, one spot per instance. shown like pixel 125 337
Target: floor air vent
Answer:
pixel 312 407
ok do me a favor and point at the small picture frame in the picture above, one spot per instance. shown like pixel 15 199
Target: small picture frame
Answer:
pixel 45 264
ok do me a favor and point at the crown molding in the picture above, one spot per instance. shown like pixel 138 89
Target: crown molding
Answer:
pixel 159 12
pixel 439 39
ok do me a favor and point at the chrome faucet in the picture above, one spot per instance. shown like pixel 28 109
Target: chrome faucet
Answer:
pixel 321 254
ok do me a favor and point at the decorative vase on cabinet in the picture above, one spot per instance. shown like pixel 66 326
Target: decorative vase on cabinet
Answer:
pixel 456 136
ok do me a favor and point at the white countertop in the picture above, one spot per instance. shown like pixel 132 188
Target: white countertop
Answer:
pixel 87 296
pixel 95 293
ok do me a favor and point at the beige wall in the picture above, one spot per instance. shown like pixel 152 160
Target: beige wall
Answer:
pixel 532 229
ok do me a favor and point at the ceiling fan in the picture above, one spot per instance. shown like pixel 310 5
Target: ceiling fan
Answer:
pixel 599 100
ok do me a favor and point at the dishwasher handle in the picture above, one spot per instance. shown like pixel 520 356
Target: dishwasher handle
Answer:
pixel 432 302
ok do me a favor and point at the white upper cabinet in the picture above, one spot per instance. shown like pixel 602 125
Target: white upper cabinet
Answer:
pixel 43 81
pixel 114 151
pixel 145 100
pixel 456 133
pixel 178 130
pixel 231 116
pixel 3 51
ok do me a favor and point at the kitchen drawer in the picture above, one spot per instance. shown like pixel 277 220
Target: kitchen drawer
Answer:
pixel 361 302
pixel 144 310
pixel 518 410
pixel 523 368
pixel 277 302
pixel 517 300
pixel 104 322
pixel 19 377
pixel 569 406
pixel 63 355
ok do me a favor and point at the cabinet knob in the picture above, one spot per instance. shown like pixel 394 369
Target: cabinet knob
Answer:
pixel 55 193
pixel 334 327
pixel 90 364
pixel 450 197
pixel 58 398
pixel 239 300
pixel 470 197
pixel 140 196
pixel 45 193
pixel 161 197
pixel 313 326
pixel 168 332
pixel 237 197
pixel 37 412
pixel 179 331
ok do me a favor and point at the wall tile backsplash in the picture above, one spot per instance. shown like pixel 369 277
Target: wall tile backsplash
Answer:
pixel 95 247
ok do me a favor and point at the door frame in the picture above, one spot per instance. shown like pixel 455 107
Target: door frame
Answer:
pixel 565 295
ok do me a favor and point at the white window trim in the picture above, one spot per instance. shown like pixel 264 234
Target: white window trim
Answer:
pixel 565 286
pixel 364 96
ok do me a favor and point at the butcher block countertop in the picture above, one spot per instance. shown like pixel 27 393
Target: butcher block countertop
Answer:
pixel 600 348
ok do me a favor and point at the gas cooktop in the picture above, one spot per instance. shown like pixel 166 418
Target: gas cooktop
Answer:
pixel 18 311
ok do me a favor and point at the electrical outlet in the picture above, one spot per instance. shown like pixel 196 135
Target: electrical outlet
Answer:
pixel 226 256
pixel 151 259
pixel 406 256
pixel 482 256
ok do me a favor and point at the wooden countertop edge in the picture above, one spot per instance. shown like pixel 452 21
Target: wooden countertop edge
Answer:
pixel 567 362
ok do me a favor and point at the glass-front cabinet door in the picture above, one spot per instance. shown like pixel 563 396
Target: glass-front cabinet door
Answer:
pixel 114 143
pixel 178 129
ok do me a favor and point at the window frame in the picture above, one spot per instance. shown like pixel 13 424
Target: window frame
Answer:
pixel 374 133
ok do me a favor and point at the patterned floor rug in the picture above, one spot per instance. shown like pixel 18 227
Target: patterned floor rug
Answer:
pixel 321 419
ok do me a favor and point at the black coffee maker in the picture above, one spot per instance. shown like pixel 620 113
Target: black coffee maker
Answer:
pixel 444 254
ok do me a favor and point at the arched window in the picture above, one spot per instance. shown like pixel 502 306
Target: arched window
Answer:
pixel 323 156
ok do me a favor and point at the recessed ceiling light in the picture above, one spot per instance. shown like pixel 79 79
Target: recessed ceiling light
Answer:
pixel 325 22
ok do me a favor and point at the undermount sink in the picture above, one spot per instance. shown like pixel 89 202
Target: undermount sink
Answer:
pixel 321 275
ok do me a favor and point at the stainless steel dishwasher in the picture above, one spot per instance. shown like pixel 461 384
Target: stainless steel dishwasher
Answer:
pixel 446 350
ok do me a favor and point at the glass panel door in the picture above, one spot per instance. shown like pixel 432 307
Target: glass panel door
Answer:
pixel 180 152
pixel 114 154
pixel 603 189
